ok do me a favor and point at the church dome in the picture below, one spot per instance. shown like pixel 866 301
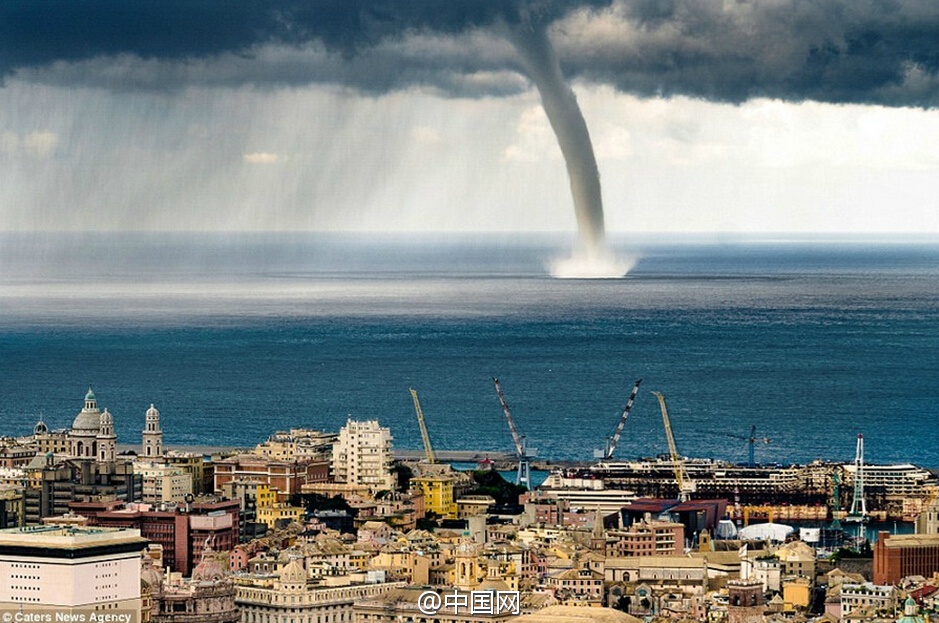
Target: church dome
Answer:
pixel 88 419
pixel 209 570
pixel 150 574
pixel 106 419
pixel 293 573
pixel 152 411
pixel 40 428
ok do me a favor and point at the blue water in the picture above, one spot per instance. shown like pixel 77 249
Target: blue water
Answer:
pixel 235 337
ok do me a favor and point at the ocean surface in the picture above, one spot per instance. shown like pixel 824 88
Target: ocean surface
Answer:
pixel 233 337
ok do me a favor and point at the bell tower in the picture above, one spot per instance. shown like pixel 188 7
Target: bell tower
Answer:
pixel 152 438
pixel 107 440
pixel 746 601
pixel 468 568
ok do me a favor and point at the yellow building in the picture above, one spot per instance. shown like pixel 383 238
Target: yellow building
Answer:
pixel 797 593
pixel 438 495
pixel 275 513
pixel 265 496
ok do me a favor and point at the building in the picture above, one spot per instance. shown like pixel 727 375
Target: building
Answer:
pixel 252 496
pixel 647 538
pixel 797 593
pixel 162 484
pixel 580 584
pixel 438 494
pixel 54 485
pixel 473 505
pixel 92 433
pixel 297 444
pixel 183 531
pixel 902 555
pixel 362 455
pixel 645 583
pixel 911 612
pixel 280 515
pixel 867 595
pixel 207 597
pixel 746 603
pixel 291 595
pixel 928 520
pixel 16 453
pixel 71 569
pixel 797 559
pixel 581 494
pixel 11 506
pixel 287 477
pixel 46 441
pixel 194 465
pixel 151 445
pixel 91 470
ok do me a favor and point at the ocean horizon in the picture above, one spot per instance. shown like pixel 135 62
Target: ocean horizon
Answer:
pixel 812 339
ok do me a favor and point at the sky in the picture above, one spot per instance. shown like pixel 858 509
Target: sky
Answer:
pixel 384 115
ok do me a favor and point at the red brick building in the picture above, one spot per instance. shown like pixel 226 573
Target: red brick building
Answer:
pixel 183 530
pixel 285 476
pixel 647 538
pixel 901 555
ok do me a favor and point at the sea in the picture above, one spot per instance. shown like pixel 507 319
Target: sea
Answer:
pixel 812 340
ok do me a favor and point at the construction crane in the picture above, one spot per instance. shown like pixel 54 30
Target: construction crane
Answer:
pixel 751 441
pixel 428 449
pixel 685 485
pixel 523 477
pixel 611 442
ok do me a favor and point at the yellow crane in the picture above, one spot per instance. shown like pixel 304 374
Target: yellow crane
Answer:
pixel 428 449
pixel 685 486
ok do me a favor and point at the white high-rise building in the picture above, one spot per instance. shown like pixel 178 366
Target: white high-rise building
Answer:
pixel 362 455
pixel 71 569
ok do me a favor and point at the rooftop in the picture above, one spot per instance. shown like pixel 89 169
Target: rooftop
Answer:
pixel 68 537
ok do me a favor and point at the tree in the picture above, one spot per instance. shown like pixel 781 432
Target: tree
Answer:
pixel 492 483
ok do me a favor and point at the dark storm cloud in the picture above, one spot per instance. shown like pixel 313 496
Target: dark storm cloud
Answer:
pixel 38 32
pixel 368 45
pixel 864 51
